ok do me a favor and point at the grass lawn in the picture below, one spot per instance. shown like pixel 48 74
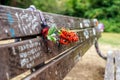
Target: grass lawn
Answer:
pixel 110 39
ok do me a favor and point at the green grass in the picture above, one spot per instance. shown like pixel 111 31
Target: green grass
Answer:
pixel 112 39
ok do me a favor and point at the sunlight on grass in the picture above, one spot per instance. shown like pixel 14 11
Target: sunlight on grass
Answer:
pixel 111 39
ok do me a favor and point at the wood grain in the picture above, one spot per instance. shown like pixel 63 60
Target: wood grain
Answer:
pixel 16 22
pixel 117 64
pixel 59 67
pixel 15 58
pixel 109 70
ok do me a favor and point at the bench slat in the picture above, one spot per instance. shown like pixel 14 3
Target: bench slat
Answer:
pixel 109 70
pixel 16 22
pixel 15 58
pixel 117 64
pixel 59 67
pixel 67 21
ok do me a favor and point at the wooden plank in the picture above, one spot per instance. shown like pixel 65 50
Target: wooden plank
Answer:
pixel 59 67
pixel 67 21
pixel 117 64
pixel 18 57
pixel 109 70
pixel 16 22
pixel 7 41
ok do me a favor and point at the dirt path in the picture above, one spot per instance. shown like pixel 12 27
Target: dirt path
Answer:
pixel 90 67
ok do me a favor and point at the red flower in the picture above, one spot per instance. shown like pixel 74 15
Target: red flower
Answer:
pixel 45 31
pixel 63 41
pixel 68 37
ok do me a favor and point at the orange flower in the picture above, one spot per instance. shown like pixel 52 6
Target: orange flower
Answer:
pixel 67 37
pixel 62 35
pixel 63 41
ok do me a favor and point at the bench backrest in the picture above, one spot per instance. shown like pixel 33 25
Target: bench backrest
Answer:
pixel 47 60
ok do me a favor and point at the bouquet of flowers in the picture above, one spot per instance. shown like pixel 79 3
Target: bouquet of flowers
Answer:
pixel 63 36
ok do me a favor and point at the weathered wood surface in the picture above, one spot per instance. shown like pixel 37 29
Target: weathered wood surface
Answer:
pixel 21 56
pixel 17 57
pixel 69 22
pixel 112 70
pixel 16 22
pixel 117 64
pixel 59 67
pixel 109 70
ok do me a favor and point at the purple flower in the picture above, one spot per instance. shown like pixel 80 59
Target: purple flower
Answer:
pixel 101 27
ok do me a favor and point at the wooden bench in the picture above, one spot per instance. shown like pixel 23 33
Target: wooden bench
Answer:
pixel 112 70
pixel 45 59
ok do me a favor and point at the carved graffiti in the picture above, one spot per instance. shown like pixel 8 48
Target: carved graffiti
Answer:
pixel 27 22
pixel 28 53
pixel 86 22
pixel 50 20
pixel 86 33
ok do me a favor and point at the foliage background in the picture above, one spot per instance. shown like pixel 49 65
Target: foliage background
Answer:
pixel 106 11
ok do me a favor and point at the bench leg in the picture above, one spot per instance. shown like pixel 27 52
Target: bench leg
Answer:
pixel 98 50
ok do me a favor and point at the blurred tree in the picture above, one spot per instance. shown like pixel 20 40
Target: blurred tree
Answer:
pixel 54 6
pixel 107 11
pixel 16 3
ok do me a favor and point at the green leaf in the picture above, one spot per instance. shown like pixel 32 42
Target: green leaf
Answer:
pixel 52 30
pixel 51 38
